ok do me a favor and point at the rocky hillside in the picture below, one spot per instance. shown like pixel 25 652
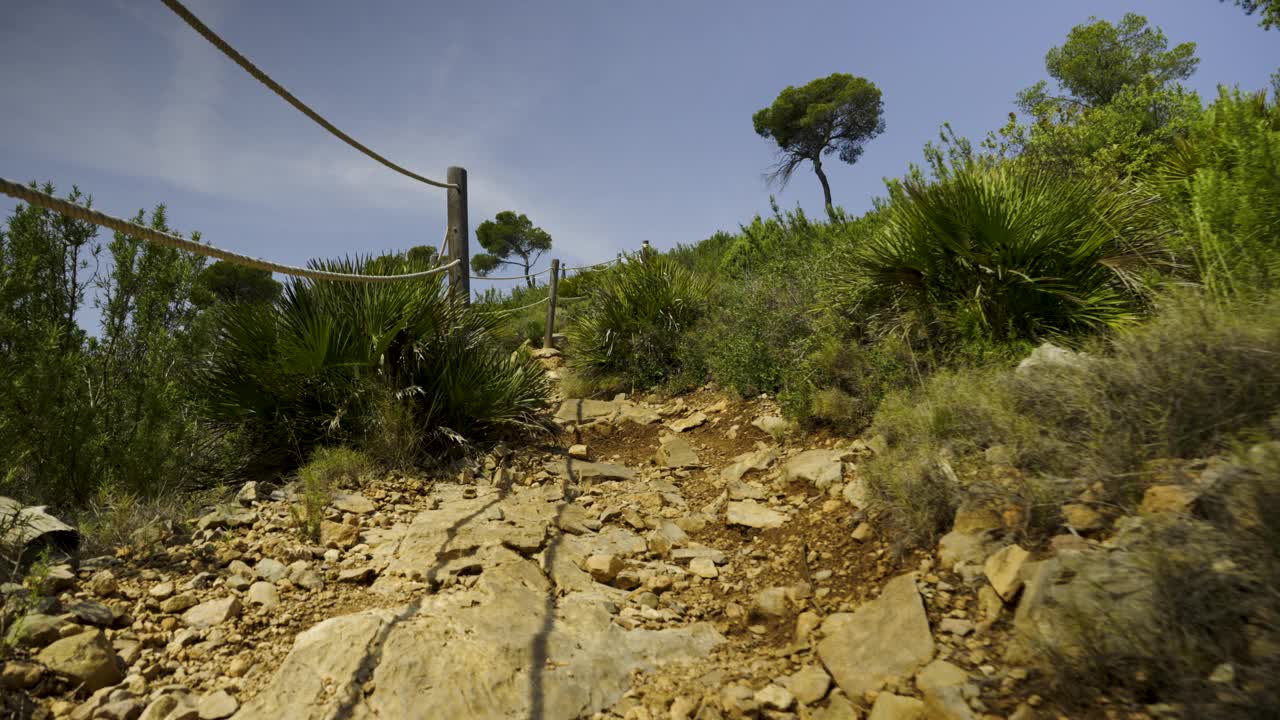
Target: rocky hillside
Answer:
pixel 695 558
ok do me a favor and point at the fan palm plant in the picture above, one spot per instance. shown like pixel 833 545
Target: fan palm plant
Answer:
pixel 630 325
pixel 318 364
pixel 1007 252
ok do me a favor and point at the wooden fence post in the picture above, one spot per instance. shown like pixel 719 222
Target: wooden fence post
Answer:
pixel 551 303
pixel 458 234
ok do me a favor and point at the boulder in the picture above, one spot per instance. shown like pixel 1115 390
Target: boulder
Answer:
pixel 886 638
pixel 1004 571
pixel 263 593
pixel 809 684
pixel 339 536
pixel 216 705
pixel 270 569
pixel 87 658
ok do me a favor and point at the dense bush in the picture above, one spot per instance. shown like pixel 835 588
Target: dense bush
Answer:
pixel 111 415
pixel 322 364
pixel 1183 386
pixel 628 329
pixel 1222 187
pixel 1005 253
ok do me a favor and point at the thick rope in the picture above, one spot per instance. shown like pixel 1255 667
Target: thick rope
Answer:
pixel 288 97
pixel 508 311
pixel 79 212
pixel 591 267
pixel 513 277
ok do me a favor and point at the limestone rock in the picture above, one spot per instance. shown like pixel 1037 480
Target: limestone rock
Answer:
pixel 770 602
pixel 688 423
pixel 963 547
pixel 479 663
pixel 821 468
pixel 178 603
pixel 885 638
pixel 36 629
pixel 353 503
pixel 1050 357
pixel 579 410
pixel 1004 571
pixel 748 462
pixel 676 452
pixel 340 536
pixel 583 470
pixel 103 584
pixel 739 490
pixel 897 707
pixel 703 567
pixel 248 494
pixel 1176 499
pixel 947 704
pixel 217 705
pixel 263 593
pixel 603 568
pixel 270 569
pixel 579 452
pixel 775 697
pixel 86 658
pixel 211 613
pixel 809 684
pixel 838 707
pixel 752 514
pixel 775 426
pixel 1082 517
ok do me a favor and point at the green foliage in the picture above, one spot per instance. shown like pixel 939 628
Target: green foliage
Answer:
pixel 1270 18
pixel 1182 386
pixel 310 369
pixel 1003 252
pixel 631 323
pixel 231 283
pixel 1119 107
pixel 835 114
pixel 329 469
pixel 1222 187
pixel 87 413
pixel 511 239
pixel 1099 59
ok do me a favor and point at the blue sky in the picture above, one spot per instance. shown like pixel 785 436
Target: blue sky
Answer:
pixel 606 122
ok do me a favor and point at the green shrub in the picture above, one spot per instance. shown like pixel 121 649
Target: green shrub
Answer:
pixel 313 367
pixel 629 327
pixel 1185 385
pixel 330 468
pixel 1004 252
pixel 1222 187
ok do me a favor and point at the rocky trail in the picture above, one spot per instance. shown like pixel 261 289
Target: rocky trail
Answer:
pixel 676 560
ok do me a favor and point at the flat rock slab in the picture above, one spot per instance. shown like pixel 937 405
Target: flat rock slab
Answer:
pixel 753 514
pixel 582 410
pixel 821 468
pixel 886 638
pixel 579 470
pixel 748 462
pixel 508 648
pixel 676 452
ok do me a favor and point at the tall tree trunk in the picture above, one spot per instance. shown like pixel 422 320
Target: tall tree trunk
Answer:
pixel 826 187
pixel 527 267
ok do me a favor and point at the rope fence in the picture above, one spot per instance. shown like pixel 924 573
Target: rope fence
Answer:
pixel 35 197
pixel 190 19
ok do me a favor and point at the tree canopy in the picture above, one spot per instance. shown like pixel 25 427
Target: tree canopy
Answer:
pixel 511 239
pixel 1099 59
pixel 232 283
pixel 1270 10
pixel 835 114
pixel 1119 103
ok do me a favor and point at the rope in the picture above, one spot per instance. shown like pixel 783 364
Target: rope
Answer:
pixel 79 212
pixel 590 267
pixel 513 277
pixel 288 97
pixel 508 311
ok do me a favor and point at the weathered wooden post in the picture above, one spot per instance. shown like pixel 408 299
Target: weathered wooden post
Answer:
pixel 458 234
pixel 551 303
